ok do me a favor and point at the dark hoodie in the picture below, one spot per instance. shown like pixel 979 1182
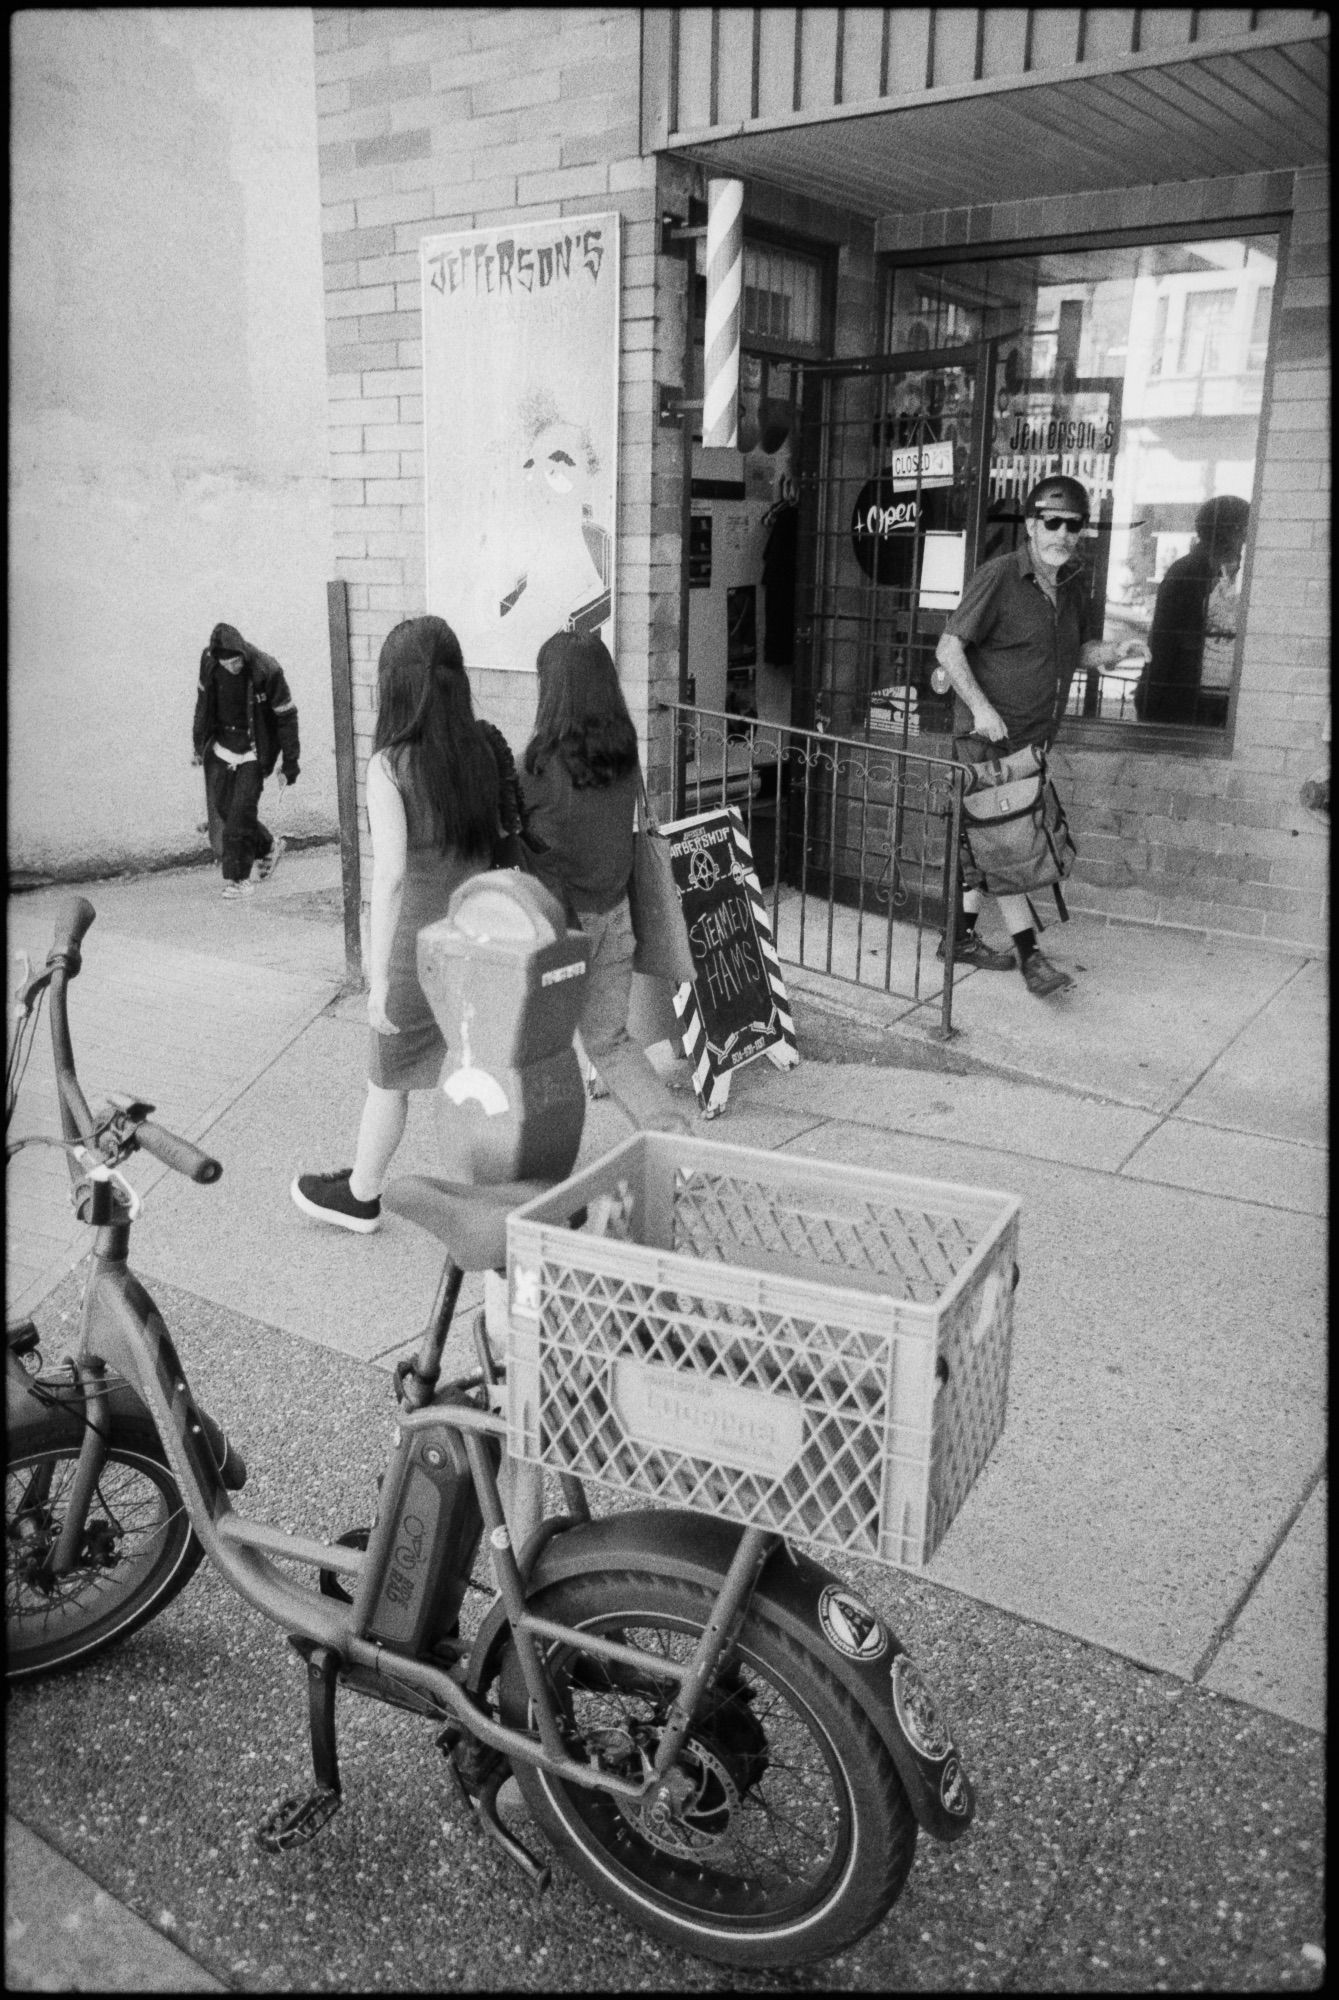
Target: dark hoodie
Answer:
pixel 272 713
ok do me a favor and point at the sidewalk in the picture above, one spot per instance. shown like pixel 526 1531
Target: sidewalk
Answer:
pixel 1127 1620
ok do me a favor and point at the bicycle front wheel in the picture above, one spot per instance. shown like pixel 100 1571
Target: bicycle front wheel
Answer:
pixel 785 1833
pixel 136 1552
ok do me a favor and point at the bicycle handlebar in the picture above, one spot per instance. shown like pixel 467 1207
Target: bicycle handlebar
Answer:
pixel 77 1121
pixel 72 922
pixel 177 1153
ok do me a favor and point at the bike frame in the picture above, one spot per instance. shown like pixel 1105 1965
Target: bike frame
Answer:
pixel 122 1334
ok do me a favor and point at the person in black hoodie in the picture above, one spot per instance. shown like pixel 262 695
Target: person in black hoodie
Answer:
pixel 246 721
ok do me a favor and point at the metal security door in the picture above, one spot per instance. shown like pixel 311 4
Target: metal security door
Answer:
pixel 892 465
pixel 892 497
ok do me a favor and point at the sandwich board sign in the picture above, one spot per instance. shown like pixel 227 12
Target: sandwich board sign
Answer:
pixel 735 1009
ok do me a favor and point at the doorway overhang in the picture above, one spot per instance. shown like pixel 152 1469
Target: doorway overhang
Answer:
pixel 1233 110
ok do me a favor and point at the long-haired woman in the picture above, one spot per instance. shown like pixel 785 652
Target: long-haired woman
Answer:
pixel 579 785
pixel 435 800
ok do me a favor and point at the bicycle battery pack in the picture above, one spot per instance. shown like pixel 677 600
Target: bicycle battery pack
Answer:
pixel 436 1537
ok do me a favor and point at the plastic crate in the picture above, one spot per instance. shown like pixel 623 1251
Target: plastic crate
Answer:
pixel 781 1342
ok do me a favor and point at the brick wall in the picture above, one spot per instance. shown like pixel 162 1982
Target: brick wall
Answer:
pixel 1223 842
pixel 440 119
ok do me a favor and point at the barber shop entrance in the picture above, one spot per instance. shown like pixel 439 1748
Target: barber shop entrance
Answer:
pixel 909 470
pixel 913 471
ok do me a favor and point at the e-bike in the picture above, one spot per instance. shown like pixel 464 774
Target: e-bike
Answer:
pixel 661 1683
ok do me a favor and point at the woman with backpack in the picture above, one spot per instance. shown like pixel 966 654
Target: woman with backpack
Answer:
pixel 579 783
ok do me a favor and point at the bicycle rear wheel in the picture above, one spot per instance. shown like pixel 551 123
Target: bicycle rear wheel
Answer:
pixel 137 1552
pixel 786 1833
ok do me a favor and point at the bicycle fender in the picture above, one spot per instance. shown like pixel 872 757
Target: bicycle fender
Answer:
pixel 30 1400
pixel 861 1649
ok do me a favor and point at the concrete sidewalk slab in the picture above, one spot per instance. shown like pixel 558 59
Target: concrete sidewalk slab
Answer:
pixel 359 1295
pixel 1274 1077
pixel 1236 1164
pixel 1147 1016
pixel 291 924
pixel 1164 1414
pixel 65 1934
pixel 186 1032
pixel 1274 1657
pixel 983 1111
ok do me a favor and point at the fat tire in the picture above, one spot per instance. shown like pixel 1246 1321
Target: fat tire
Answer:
pixel 873 1852
pixel 99 1609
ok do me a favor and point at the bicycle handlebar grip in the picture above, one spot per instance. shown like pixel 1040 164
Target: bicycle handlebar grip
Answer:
pixel 72 922
pixel 177 1153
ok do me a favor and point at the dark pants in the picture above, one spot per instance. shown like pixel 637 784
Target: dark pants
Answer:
pixel 232 796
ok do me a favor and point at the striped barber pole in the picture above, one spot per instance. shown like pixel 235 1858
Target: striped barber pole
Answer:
pixel 725 287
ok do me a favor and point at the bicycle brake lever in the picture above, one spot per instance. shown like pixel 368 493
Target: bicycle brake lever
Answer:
pixel 31 985
pixel 98 1169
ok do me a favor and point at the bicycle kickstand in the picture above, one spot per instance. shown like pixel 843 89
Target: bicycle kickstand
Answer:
pixel 480 1775
pixel 293 1822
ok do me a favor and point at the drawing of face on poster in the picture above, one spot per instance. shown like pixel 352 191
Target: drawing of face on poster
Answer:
pixel 562 551
pixel 520 419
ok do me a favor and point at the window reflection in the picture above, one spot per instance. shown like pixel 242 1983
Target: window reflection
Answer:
pixel 1139 370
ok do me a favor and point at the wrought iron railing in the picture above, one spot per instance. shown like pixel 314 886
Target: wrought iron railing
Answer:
pixel 856 841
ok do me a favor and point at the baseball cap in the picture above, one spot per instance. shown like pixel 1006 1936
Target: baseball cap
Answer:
pixel 1057 489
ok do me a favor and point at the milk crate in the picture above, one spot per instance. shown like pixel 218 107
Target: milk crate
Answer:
pixel 785 1343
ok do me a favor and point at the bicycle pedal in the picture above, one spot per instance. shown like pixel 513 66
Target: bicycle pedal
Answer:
pixel 293 1822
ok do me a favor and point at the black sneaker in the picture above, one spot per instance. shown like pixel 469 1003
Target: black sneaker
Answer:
pixel 327 1198
pixel 971 949
pixel 1043 978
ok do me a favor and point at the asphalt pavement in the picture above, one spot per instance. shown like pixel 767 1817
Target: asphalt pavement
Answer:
pixel 1126 1623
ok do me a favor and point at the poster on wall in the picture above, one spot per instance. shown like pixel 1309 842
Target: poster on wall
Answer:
pixel 520 419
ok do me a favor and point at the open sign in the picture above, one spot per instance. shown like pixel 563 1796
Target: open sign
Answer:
pixel 900 517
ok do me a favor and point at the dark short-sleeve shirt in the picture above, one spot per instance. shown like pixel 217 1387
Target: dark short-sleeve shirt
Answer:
pixel 586 831
pixel 1023 650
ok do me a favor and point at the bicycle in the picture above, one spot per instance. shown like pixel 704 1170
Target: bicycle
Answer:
pixel 660 1682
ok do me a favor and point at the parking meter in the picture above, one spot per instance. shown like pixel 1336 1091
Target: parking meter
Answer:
pixel 505 979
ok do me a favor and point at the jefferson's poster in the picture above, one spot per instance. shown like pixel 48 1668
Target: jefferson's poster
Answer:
pixel 520 411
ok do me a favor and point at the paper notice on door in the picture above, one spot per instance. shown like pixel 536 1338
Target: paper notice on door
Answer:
pixel 942 566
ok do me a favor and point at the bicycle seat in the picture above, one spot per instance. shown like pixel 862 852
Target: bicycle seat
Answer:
pixel 470 1221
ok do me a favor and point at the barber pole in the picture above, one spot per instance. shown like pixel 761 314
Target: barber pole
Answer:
pixel 725 281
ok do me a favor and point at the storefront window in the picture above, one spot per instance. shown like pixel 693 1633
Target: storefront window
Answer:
pixel 1139 370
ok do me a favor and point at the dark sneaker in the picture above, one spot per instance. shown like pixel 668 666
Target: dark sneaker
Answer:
pixel 326 1197
pixel 972 949
pixel 1041 977
pixel 267 863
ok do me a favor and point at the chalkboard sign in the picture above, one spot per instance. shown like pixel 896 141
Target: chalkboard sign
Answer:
pixel 736 1008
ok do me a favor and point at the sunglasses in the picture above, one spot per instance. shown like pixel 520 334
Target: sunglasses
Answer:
pixel 1054 522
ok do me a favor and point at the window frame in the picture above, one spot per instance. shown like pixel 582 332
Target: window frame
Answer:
pixel 1091 732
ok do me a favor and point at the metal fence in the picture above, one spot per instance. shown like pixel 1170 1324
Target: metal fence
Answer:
pixel 855 841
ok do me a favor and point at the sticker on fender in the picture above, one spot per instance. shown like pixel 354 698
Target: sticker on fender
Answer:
pixel 953 1792
pixel 925 1728
pixel 850 1626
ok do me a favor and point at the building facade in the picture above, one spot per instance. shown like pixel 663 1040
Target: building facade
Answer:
pixel 978 244
pixel 1118 219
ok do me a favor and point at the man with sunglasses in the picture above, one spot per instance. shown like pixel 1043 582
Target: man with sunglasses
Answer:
pixel 1011 651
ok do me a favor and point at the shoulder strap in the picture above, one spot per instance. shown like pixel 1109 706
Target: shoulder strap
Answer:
pixel 644 819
